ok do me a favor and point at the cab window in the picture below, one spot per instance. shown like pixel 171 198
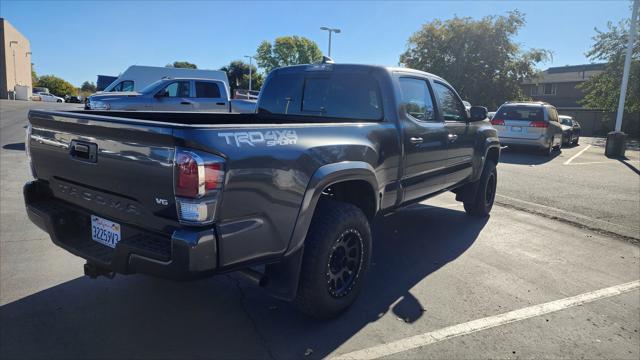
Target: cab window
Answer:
pixel 452 108
pixel 177 89
pixel 126 85
pixel 417 99
pixel 209 90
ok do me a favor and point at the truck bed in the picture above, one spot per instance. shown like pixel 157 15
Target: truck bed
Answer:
pixel 202 118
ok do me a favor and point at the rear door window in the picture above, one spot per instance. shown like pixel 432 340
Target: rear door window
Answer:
pixel 209 90
pixel 524 113
pixel 345 96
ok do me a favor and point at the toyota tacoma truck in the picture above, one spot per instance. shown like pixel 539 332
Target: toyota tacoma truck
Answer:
pixel 284 196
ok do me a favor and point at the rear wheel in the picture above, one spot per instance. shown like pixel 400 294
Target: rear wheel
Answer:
pixel 548 151
pixel 336 258
pixel 486 192
pixel 59 101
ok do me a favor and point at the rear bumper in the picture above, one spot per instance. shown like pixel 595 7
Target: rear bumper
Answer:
pixel 541 142
pixel 188 253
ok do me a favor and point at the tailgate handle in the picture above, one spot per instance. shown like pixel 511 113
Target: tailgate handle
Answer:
pixel 84 151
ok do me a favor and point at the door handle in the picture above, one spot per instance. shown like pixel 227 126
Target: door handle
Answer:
pixel 221 103
pixel 452 137
pixel 185 102
pixel 416 140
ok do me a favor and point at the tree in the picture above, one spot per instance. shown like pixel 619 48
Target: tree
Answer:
pixel 602 91
pixel 34 76
pixel 478 57
pixel 182 64
pixel 88 87
pixel 287 50
pixel 56 85
pixel 238 74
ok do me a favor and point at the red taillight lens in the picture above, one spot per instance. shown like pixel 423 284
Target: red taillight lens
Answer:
pixel 539 124
pixel 197 173
pixel 188 180
pixel 212 176
pixel 497 122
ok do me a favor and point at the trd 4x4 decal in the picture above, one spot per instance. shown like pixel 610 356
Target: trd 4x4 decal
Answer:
pixel 267 138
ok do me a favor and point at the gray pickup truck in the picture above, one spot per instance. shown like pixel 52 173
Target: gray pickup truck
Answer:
pixel 283 197
pixel 173 94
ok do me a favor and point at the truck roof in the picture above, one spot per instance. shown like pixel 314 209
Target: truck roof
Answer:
pixel 361 67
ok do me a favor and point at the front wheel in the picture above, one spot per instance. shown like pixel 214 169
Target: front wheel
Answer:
pixel 59 101
pixel 485 193
pixel 336 258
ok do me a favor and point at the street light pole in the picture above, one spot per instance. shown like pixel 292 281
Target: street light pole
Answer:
pixel 330 30
pixel 250 74
pixel 627 64
pixel 616 140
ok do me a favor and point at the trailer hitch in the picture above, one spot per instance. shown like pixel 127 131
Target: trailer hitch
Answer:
pixel 93 271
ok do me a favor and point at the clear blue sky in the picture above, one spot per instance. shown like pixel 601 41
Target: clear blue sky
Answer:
pixel 77 40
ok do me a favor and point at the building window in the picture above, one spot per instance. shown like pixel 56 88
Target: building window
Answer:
pixel 535 90
pixel 549 89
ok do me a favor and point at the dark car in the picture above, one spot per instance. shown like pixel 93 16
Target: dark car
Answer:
pixel 570 130
pixel 74 99
pixel 283 196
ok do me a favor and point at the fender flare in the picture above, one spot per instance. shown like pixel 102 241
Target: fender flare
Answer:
pixel 325 176
pixel 284 276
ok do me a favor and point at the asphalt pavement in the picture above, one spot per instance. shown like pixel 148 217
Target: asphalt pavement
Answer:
pixel 552 273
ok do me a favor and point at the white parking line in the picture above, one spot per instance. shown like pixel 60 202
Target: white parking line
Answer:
pixel 432 337
pixel 576 155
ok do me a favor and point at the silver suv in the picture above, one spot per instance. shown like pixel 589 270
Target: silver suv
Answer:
pixel 532 124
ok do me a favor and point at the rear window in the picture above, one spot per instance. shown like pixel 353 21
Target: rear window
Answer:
pixel 346 96
pixel 207 90
pixel 526 113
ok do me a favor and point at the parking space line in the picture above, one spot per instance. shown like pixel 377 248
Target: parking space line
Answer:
pixel 593 162
pixel 576 155
pixel 432 337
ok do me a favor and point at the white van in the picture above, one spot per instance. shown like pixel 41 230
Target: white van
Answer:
pixel 137 77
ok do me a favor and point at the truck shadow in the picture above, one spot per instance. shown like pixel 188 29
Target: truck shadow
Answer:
pixel 224 317
pixel 525 156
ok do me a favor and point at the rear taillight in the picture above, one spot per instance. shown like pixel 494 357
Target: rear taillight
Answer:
pixel 198 181
pixel 497 122
pixel 27 149
pixel 539 124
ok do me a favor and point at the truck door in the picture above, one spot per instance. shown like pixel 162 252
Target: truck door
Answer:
pixel 460 132
pixel 176 96
pixel 424 140
pixel 211 96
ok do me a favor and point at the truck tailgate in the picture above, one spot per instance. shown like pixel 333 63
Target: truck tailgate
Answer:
pixel 116 169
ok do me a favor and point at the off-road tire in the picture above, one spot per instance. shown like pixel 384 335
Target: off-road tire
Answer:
pixel 485 192
pixel 331 220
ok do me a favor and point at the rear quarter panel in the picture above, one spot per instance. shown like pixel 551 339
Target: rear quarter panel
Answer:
pixel 268 170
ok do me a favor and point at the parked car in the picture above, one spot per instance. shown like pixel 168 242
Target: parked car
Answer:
pixel 73 99
pixel 49 98
pixel 180 94
pixel 290 190
pixel 39 89
pixel 137 77
pixel 531 124
pixel 570 130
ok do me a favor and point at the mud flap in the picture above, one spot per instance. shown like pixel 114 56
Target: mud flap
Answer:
pixel 284 276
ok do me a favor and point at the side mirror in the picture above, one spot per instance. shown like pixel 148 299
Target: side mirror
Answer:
pixel 478 113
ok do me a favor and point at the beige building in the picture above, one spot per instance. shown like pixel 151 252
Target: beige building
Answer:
pixel 15 60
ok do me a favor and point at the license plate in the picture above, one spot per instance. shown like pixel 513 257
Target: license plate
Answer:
pixel 104 231
pixel 516 128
